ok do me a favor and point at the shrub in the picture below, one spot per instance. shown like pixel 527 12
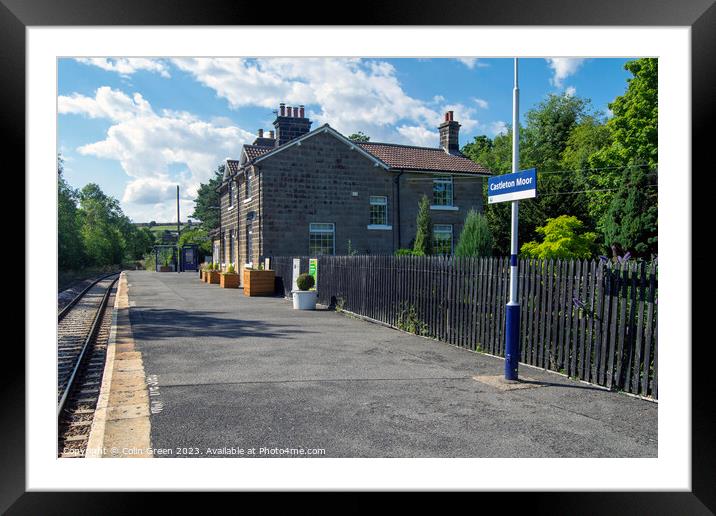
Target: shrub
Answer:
pixel 305 281
pixel 476 237
pixel 563 238
pixel 230 269
pixel 424 236
pixel 407 252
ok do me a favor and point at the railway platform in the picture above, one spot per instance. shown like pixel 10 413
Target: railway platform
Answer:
pixel 232 376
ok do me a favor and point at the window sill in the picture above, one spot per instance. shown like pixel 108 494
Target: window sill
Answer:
pixel 443 208
pixel 382 227
pixel 231 207
pixel 248 200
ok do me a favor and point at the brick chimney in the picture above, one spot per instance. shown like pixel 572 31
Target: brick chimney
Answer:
pixel 264 141
pixel 449 134
pixel 290 123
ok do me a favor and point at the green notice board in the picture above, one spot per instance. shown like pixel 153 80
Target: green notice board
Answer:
pixel 313 271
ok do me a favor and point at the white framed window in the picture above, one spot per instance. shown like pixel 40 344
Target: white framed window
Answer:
pixel 247 186
pixel 249 242
pixel 378 210
pixel 231 193
pixel 231 246
pixel 442 191
pixel 321 238
pixel 442 239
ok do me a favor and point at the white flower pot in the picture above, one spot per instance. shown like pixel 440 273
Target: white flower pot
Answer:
pixel 304 299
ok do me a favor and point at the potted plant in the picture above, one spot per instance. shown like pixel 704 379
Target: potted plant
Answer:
pixel 229 279
pixel 259 282
pixel 202 271
pixel 214 275
pixel 165 258
pixel 304 298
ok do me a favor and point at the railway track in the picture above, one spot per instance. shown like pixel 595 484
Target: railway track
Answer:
pixel 83 328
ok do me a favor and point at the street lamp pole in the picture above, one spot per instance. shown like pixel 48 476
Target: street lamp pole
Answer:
pixel 512 313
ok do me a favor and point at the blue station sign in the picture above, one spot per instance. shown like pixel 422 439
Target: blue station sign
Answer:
pixel 512 187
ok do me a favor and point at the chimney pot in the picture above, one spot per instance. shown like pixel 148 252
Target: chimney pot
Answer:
pixel 282 108
pixel 447 116
pixel 290 124
pixel 261 133
pixel 270 134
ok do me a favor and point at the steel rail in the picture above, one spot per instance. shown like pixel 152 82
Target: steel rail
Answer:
pixel 68 307
pixel 93 331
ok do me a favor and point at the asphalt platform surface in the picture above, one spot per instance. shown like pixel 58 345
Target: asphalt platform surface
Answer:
pixel 234 376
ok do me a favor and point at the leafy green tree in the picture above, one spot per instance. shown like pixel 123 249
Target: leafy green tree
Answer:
pixel 631 222
pixel 563 237
pixel 101 217
pixel 424 236
pixel 476 237
pixel 70 247
pixel 359 137
pixel 196 236
pixel 207 200
pixel 634 126
pixel 543 141
pixel 633 143
pixel 493 154
pixel 590 136
pixel 138 241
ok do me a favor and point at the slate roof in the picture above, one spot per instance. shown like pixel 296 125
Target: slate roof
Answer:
pixel 422 158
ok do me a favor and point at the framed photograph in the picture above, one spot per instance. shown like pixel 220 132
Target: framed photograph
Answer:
pixel 417 252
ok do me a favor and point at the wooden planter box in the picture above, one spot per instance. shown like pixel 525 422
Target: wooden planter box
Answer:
pixel 165 268
pixel 201 275
pixel 214 277
pixel 229 280
pixel 259 283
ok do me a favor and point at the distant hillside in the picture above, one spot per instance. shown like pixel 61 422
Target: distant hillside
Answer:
pixel 165 225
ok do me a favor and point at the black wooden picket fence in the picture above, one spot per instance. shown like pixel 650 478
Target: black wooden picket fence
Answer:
pixel 590 320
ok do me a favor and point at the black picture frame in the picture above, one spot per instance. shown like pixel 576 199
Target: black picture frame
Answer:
pixel 700 15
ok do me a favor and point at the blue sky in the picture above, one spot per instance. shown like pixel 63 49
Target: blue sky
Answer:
pixel 138 127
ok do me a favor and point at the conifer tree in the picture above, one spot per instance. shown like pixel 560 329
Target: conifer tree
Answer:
pixel 424 236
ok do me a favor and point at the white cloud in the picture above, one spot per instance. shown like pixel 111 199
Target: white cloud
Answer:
pixel 497 127
pixel 149 190
pixel 482 103
pixel 107 103
pixel 348 93
pixel 472 62
pixel 463 114
pixel 418 135
pixel 127 65
pixel 150 147
pixel 570 91
pixel 563 67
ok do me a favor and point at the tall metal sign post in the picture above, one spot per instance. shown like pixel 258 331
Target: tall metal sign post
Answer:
pixel 512 313
pixel 513 187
